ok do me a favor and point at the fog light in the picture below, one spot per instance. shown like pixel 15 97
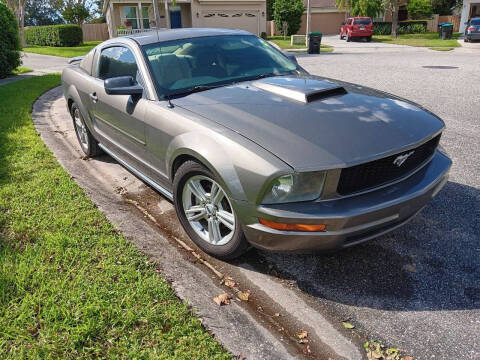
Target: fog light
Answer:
pixel 292 227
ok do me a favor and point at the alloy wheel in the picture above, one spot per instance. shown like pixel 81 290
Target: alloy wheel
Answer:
pixel 81 129
pixel 208 210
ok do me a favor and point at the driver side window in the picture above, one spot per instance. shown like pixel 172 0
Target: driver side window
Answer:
pixel 117 61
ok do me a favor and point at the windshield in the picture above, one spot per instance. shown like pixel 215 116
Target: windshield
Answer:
pixel 180 65
pixel 475 22
pixel 362 22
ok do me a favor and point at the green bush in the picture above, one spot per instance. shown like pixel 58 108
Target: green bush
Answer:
pixel 54 35
pixel 10 45
pixel 419 9
pixel 404 27
pixel 290 11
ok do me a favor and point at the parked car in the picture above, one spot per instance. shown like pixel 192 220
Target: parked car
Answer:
pixel 472 30
pixel 253 150
pixel 357 27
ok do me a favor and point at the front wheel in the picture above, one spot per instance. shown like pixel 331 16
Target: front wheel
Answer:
pixel 206 212
pixel 348 38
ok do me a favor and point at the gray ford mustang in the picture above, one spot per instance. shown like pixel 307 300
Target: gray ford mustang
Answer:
pixel 252 149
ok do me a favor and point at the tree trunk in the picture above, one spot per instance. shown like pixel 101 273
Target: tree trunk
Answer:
pixel 394 20
pixel 21 20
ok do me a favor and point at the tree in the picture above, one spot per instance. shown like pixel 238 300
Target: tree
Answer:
pixel 419 9
pixel 289 11
pixel 76 13
pixel 344 5
pixel 370 8
pixel 41 12
pixel 393 6
pixel 18 8
pixel 445 7
pixel 270 9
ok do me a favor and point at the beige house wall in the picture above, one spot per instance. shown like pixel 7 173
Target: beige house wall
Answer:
pixel 326 22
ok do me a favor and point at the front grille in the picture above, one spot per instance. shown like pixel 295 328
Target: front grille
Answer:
pixel 375 173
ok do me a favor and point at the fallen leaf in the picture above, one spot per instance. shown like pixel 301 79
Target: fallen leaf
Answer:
pixel 222 299
pixel 411 268
pixel 347 325
pixel 407 358
pixel 228 281
pixel 243 295
pixel 302 334
pixel 276 314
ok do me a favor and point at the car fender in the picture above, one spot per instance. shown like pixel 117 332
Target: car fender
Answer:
pixel 71 94
pixel 241 167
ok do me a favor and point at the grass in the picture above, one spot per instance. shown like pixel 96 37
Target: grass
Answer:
pixel 67 52
pixel 430 40
pixel 286 44
pixel 21 70
pixel 71 286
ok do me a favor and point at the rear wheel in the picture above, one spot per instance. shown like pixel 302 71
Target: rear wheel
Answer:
pixel 348 38
pixel 341 36
pixel 87 142
pixel 369 38
pixel 206 212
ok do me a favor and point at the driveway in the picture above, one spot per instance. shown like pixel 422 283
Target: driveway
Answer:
pixel 43 64
pixel 416 289
pixel 361 46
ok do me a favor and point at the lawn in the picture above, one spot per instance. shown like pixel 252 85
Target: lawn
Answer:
pixel 430 40
pixel 286 44
pixel 67 52
pixel 71 286
pixel 21 70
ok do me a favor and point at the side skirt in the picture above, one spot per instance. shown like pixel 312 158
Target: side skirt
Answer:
pixel 139 174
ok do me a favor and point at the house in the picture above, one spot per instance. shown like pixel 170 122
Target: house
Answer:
pixel 470 9
pixel 126 17
pixel 325 17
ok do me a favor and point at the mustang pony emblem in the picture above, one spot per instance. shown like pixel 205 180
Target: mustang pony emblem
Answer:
pixel 399 160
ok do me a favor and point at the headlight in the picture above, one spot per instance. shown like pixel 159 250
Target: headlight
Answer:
pixel 295 187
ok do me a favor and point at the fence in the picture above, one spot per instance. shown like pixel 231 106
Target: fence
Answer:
pixel 124 32
pixel 95 32
pixel 454 19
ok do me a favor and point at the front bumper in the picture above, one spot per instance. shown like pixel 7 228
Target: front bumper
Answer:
pixel 349 220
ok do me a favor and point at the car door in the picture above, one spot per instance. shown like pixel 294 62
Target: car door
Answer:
pixel 119 119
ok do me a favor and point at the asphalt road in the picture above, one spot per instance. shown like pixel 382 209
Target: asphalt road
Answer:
pixel 419 287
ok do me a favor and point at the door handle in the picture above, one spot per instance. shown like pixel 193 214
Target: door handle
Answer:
pixel 94 97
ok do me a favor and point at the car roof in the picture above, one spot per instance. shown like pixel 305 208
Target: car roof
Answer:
pixel 156 36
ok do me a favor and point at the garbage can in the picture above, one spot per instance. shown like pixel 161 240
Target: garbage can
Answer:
pixel 447 31
pixel 314 41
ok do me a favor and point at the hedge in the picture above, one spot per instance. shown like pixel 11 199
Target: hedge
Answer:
pixel 54 35
pixel 404 27
pixel 10 45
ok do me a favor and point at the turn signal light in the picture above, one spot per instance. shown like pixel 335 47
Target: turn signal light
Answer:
pixel 292 227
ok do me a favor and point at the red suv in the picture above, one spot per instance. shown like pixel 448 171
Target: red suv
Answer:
pixel 357 27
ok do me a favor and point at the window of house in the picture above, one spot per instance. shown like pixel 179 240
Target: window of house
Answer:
pixel 117 61
pixel 145 17
pixel 131 17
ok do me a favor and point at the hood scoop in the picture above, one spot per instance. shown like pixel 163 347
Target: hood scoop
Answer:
pixel 302 91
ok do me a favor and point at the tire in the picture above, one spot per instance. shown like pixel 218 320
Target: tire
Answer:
pixel 85 138
pixel 465 39
pixel 348 38
pixel 225 242
pixel 369 38
pixel 341 36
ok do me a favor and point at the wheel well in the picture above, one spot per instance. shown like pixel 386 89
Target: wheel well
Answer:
pixel 70 103
pixel 180 160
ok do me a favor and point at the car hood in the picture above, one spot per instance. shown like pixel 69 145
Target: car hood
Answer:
pixel 314 123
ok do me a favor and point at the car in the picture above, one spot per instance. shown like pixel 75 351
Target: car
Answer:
pixel 472 30
pixel 252 149
pixel 357 27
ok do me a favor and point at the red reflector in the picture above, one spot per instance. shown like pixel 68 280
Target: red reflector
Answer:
pixel 292 227
pixel 471 28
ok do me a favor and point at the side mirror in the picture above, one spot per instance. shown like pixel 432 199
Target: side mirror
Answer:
pixel 292 58
pixel 122 85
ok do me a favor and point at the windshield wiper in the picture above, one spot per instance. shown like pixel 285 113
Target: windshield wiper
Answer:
pixel 263 76
pixel 192 90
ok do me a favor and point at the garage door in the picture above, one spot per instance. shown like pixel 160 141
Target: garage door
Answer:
pixel 243 20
